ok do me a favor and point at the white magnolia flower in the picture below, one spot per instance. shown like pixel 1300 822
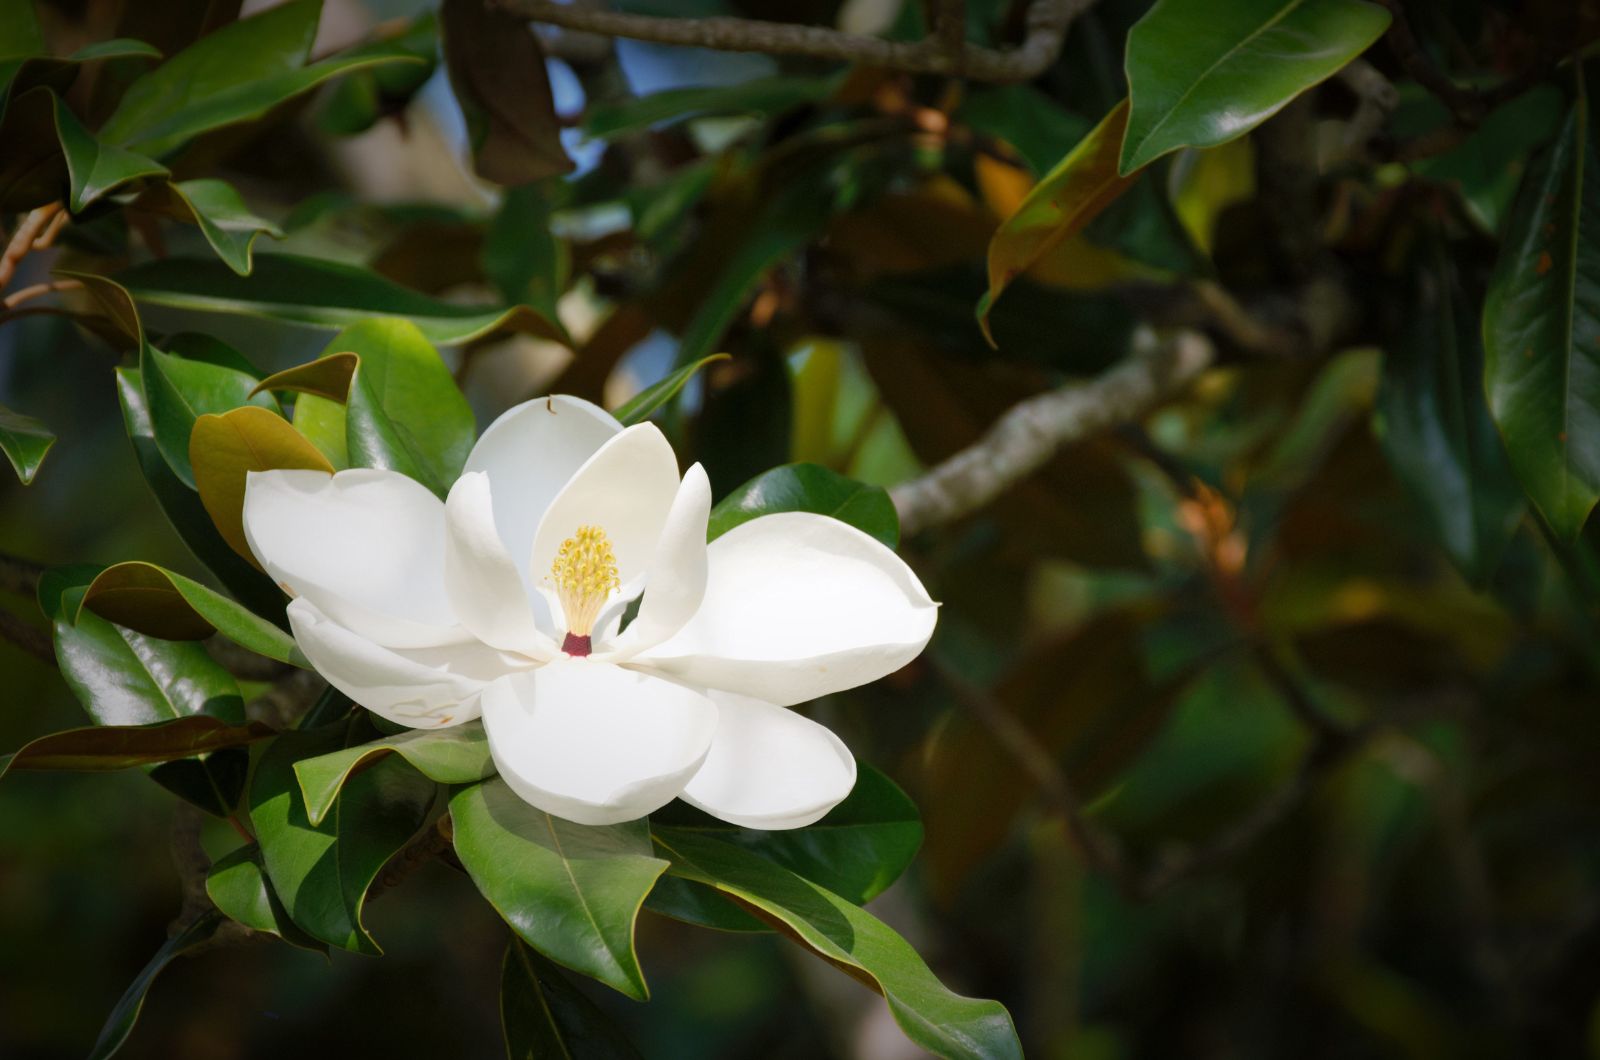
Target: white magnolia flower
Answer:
pixel 506 601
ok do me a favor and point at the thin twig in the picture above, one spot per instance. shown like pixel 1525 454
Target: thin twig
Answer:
pixel 57 223
pixel 32 228
pixel 1468 107
pixel 1046 31
pixel 1028 434
pixel 15 299
pixel 950 28
pixel 18 575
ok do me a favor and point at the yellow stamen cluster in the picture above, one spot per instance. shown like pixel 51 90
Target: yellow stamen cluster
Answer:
pixel 585 573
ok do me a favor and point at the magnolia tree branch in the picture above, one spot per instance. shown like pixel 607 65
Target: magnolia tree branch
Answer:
pixel 1029 434
pixel 940 53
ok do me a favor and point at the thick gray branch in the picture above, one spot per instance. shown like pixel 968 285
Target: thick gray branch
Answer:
pixel 1023 439
pixel 1047 29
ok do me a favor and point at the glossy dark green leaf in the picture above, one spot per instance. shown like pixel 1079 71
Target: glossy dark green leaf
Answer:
pixel 457 755
pixel 497 69
pixel 1487 166
pixel 942 1022
pixel 95 167
pixel 542 1015
pixel 569 890
pixel 322 872
pixel 120 1023
pixel 1201 74
pixel 323 294
pixel 638 408
pixel 761 97
pixel 856 851
pixel 238 886
pixel 235 74
pixel 700 905
pixel 1541 327
pixel 25 67
pixel 126 678
pixel 105 748
pixel 216 208
pixel 213 781
pixel 1435 427
pixel 162 603
pixel 364 96
pixel 808 488
pixel 183 508
pixel 25 441
pixel 180 391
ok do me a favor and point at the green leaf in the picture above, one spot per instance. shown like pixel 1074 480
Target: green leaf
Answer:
pixel 184 510
pixel 457 755
pixel 1541 327
pixel 522 256
pixel 359 100
pixel 19 29
pixel 942 1022
pixel 106 748
pixel 325 294
pixel 213 781
pixel 1435 427
pixel 235 74
pixel 162 603
pixel 25 441
pixel 1201 73
pixel 1041 129
pixel 808 488
pixel 28 69
pixel 120 1023
pixel 322 872
pixel 758 98
pixel 856 851
pixel 1065 200
pixel 225 449
pixel 702 906
pixel 403 412
pixel 180 391
pixel 638 408
pixel 32 171
pixel 571 891
pixel 542 1015
pixel 126 678
pixel 219 212
pixel 238 886
pixel 497 69
pixel 95 167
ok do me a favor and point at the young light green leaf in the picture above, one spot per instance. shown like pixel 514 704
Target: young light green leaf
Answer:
pixel 238 886
pixel 457 755
pixel 162 603
pixel 25 441
pixel 638 408
pixel 1201 73
pixel 808 488
pixel 933 1017
pixel 569 890
pixel 325 294
pixel 542 1015
pixel 1541 322
pixel 322 872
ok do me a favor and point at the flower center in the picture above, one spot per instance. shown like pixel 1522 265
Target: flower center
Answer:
pixel 585 573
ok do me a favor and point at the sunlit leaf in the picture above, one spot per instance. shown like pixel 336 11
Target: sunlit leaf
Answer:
pixel 163 603
pixel 225 448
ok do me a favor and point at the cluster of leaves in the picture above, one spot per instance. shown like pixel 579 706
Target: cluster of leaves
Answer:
pixel 1328 524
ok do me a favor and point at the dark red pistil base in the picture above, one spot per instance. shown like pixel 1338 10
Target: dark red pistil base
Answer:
pixel 575 645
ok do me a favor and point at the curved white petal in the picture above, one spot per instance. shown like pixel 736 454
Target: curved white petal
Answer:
pixel 770 767
pixel 798 606
pixel 366 546
pixel 676 581
pixel 594 743
pixel 529 453
pixel 485 588
pixel 626 489
pixel 419 687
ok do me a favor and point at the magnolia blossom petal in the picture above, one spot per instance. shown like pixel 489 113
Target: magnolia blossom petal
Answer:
pixel 798 606
pixel 366 546
pixel 676 580
pixel 594 743
pixel 419 687
pixel 529 453
pixel 626 489
pixel 770 767
pixel 485 588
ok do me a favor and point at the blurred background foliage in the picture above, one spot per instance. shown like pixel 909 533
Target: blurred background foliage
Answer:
pixel 1242 734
